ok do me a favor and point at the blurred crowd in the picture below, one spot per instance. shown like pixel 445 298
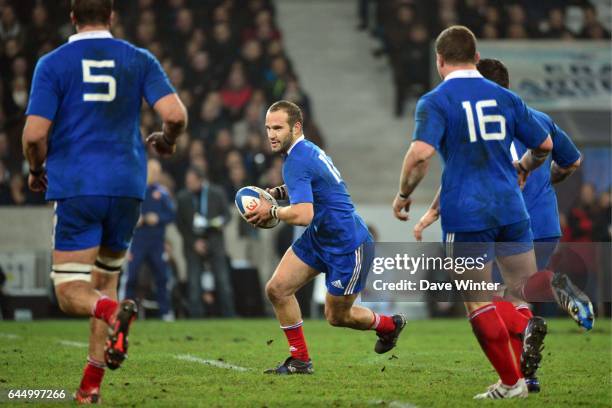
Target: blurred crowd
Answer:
pixel 589 218
pixel 226 59
pixel 405 29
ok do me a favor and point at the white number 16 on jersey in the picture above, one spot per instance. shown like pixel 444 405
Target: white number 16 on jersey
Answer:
pixel 483 120
pixel 90 78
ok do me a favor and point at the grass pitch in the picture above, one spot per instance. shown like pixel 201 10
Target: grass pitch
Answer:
pixel 220 363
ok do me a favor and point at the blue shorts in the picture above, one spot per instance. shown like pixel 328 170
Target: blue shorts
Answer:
pixel 91 221
pixel 345 274
pixel 506 240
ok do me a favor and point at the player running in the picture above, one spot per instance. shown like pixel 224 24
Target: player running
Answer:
pixel 472 123
pixel 541 202
pixel 336 242
pixel 87 94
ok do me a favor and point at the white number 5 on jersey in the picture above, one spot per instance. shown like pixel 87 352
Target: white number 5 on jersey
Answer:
pixel 90 78
pixel 483 120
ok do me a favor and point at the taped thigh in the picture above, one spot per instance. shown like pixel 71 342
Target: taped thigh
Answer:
pixel 107 264
pixel 70 272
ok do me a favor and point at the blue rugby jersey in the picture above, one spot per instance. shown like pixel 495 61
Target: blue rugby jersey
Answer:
pixel 538 193
pixel 472 122
pixel 311 177
pixel 92 89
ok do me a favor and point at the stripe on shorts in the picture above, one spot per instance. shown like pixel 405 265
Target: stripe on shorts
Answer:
pixel 356 272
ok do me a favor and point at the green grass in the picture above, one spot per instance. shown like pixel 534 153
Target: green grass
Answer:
pixel 438 363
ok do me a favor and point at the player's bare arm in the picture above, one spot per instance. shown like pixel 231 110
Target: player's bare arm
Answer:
pixel 34 142
pixel 174 115
pixel 558 173
pixel 295 214
pixel 414 169
pixel 431 215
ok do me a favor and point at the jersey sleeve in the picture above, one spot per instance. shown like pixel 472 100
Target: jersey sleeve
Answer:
pixel 564 153
pixel 156 83
pixel 430 123
pixel 528 129
pixel 44 95
pixel 298 178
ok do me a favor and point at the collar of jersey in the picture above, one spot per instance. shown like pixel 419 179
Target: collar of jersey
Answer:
pixel 464 73
pixel 298 140
pixel 89 35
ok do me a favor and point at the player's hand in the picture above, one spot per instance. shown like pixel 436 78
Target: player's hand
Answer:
pixel 161 144
pixel 38 182
pixel 522 175
pixel 261 214
pixel 279 193
pixel 401 206
pixel 426 220
pixel 151 218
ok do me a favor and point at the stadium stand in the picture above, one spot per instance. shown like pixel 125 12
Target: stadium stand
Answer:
pixel 405 29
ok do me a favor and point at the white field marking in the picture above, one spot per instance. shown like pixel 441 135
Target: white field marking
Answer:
pixel 9 336
pixel 73 343
pixel 214 363
pixel 392 404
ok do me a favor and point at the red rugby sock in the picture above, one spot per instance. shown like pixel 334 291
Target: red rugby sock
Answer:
pixel 92 375
pixel 515 322
pixel 382 324
pixel 104 309
pixel 524 310
pixel 297 342
pixel 494 340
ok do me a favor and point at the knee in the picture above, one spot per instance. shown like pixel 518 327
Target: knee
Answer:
pixel 336 319
pixel 62 295
pixel 274 291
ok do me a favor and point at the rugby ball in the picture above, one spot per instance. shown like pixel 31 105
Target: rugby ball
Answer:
pixel 247 200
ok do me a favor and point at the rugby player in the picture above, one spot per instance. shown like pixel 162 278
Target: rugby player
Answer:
pixel 336 242
pixel 541 202
pixel 83 145
pixel 472 122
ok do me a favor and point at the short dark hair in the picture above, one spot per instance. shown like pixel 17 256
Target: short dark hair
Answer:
pixel 494 70
pixel 294 113
pixel 457 45
pixel 92 11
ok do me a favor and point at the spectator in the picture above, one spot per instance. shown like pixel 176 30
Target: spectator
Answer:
pixel 592 28
pixel 149 238
pixel 276 78
pixel 212 118
pixel 602 220
pixel 41 31
pixel 202 213
pixel 9 26
pixel 15 192
pixel 253 62
pixel 5 189
pixel 555 26
pixel 580 219
pixel 236 93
